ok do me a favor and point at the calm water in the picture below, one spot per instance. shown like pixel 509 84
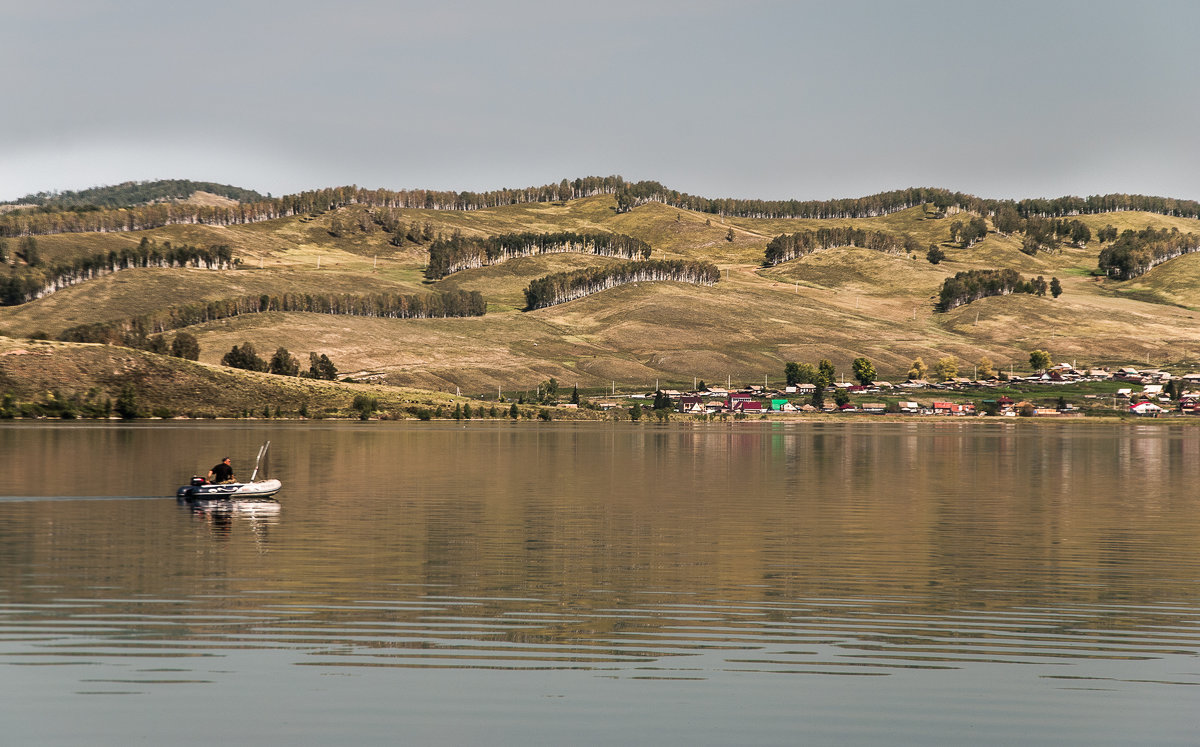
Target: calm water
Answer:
pixel 754 583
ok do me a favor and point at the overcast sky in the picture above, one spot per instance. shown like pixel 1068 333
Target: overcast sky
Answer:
pixel 772 100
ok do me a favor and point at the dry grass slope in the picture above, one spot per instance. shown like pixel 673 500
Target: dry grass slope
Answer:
pixel 839 303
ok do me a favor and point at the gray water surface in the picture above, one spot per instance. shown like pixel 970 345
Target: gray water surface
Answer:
pixel 498 583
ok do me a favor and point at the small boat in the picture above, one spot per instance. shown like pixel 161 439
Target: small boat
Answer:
pixel 200 489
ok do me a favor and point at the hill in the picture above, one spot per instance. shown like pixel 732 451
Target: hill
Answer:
pixel 130 194
pixel 57 377
pixel 838 303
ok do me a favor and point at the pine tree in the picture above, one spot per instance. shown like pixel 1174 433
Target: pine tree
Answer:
pixel 186 346
pixel 245 358
pixel 791 373
pixel 126 405
pixel 826 374
pixel 283 363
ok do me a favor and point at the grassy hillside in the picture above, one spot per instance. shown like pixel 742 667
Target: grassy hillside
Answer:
pixel 839 303
pixel 44 373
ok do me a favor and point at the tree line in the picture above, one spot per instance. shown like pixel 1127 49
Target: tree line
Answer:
pixel 137 331
pixel 790 246
pixel 628 195
pixel 972 285
pixel 1134 253
pixel 32 222
pixel 884 203
pixel 282 363
pixel 568 286
pixel 459 252
pixel 1045 234
pixel 36 279
pixel 131 193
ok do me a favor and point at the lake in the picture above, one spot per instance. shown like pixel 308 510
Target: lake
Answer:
pixel 603 583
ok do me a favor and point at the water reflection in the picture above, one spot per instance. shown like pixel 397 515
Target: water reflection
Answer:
pixel 673 554
pixel 220 516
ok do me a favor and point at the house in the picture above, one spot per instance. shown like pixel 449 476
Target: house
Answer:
pixel 953 408
pixel 735 399
pixel 778 405
pixel 691 404
pixel 749 406
pixel 803 389
pixel 1148 409
pixel 910 407
pixel 876 408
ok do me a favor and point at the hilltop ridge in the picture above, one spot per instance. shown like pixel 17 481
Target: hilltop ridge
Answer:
pixel 132 194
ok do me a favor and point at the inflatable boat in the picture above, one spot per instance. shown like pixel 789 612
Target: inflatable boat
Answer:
pixel 200 489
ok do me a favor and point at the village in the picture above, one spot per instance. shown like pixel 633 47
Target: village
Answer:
pixel 1059 391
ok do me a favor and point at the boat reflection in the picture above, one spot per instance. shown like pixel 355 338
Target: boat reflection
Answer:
pixel 222 515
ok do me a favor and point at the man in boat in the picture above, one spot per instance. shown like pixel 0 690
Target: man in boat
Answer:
pixel 222 473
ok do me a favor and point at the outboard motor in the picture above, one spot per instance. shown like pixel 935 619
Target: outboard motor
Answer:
pixel 197 480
